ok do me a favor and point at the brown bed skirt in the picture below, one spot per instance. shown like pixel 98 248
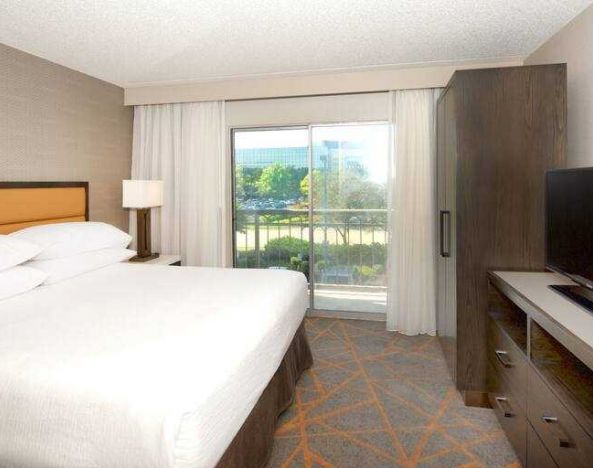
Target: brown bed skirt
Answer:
pixel 252 446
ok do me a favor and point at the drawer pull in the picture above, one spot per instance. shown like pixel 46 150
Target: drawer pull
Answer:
pixel 504 406
pixel 563 441
pixel 503 357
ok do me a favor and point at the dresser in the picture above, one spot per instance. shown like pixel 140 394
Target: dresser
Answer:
pixel 540 369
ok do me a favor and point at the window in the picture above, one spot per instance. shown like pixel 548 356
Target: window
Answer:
pixel 313 199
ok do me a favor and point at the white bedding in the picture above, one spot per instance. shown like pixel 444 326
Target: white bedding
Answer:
pixel 140 365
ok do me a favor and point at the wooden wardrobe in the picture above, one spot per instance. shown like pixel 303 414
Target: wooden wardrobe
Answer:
pixel 498 131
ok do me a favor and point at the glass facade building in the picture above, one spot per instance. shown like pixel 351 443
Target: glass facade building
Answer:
pixel 298 156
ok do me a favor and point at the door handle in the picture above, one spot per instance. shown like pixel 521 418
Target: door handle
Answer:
pixel 445 251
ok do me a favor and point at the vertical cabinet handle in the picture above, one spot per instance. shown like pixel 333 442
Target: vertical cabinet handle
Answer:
pixel 504 406
pixel 563 440
pixel 445 233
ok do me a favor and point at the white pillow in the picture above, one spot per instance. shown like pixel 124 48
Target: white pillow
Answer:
pixel 15 251
pixel 66 239
pixel 19 279
pixel 60 269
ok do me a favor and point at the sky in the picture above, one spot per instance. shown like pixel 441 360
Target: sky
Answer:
pixel 375 137
pixel 271 138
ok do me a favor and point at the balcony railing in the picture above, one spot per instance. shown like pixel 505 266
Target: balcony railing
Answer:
pixel 349 245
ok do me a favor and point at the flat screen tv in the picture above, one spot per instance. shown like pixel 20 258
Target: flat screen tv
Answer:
pixel 569 230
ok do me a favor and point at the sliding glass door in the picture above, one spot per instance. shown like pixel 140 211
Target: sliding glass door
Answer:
pixel 348 199
pixel 313 199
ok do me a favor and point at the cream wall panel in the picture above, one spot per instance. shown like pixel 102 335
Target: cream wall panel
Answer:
pixel 574 45
pixel 58 124
pixel 304 85
pixel 306 110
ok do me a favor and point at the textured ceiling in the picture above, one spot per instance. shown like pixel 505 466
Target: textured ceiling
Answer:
pixel 134 41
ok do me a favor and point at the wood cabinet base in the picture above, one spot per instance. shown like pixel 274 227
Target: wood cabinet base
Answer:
pixel 541 393
pixel 476 398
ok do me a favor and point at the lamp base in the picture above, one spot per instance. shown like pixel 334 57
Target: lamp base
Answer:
pixel 143 251
pixel 144 259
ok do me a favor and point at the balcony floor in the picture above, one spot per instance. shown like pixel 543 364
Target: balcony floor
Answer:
pixel 370 299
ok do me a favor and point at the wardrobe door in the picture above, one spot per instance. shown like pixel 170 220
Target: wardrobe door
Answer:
pixel 441 208
pixel 446 309
pixel 450 228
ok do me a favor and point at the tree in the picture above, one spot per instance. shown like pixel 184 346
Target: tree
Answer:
pixel 245 182
pixel 280 182
pixel 348 189
pixel 240 182
pixel 245 178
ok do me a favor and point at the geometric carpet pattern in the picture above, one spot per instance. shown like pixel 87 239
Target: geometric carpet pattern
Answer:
pixel 380 399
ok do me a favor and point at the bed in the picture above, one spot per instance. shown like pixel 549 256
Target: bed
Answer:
pixel 146 365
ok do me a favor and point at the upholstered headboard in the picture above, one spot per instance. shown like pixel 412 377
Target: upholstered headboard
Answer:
pixel 24 204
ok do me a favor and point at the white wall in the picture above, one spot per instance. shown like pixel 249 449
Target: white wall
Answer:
pixel 574 45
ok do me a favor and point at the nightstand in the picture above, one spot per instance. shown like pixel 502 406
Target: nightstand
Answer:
pixel 173 260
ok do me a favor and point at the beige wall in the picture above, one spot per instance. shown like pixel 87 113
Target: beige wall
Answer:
pixel 305 85
pixel 574 45
pixel 58 124
pixel 308 110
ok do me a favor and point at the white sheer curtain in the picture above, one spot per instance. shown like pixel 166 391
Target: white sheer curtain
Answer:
pixel 411 289
pixel 184 145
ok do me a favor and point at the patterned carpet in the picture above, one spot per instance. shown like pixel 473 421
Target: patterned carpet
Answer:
pixel 378 399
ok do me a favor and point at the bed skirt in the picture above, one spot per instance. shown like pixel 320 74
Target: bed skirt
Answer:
pixel 252 446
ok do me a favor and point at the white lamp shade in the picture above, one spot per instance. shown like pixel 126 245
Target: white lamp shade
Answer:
pixel 142 193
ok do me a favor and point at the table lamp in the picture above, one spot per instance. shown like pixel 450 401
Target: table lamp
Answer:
pixel 142 195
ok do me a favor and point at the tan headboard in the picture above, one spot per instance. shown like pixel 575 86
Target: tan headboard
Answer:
pixel 24 204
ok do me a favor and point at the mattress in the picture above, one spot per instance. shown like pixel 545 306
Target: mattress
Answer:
pixel 140 365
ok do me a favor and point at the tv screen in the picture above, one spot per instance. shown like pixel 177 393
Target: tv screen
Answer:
pixel 569 223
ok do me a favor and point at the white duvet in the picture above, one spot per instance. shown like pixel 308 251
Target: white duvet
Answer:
pixel 140 365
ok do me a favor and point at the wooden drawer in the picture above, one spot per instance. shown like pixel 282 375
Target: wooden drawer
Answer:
pixel 510 414
pixel 562 435
pixel 537 454
pixel 510 362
